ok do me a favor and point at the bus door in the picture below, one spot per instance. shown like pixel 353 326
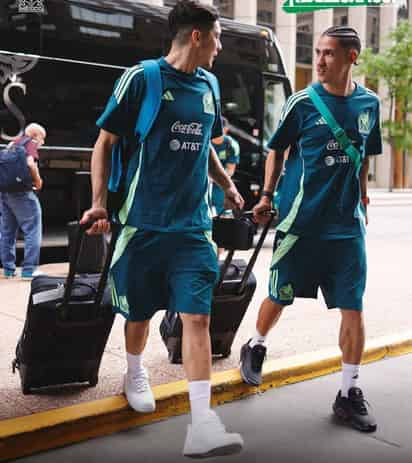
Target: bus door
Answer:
pixel 242 105
pixel 276 91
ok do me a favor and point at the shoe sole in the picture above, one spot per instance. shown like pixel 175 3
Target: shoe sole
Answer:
pixel 217 452
pixel 343 418
pixel 244 376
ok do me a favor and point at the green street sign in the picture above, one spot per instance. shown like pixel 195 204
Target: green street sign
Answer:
pixel 302 6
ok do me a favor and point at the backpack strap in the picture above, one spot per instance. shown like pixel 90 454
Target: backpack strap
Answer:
pixel 340 135
pixel 149 109
pixel 23 142
pixel 152 98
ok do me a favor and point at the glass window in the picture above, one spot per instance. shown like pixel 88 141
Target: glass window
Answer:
pixel 19 31
pixel 275 98
pixel 340 16
pixel 240 89
pixel 67 98
pixel 372 28
pixel 121 20
pixel 403 9
pixel 266 13
pixel 304 38
pixel 101 35
pixel 226 8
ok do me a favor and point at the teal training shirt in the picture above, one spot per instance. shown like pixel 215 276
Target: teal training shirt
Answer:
pixel 228 152
pixel 320 191
pixel 167 175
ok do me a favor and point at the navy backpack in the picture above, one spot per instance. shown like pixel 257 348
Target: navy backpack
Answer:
pixel 14 172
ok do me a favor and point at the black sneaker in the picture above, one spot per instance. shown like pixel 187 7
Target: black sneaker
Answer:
pixel 353 410
pixel 251 360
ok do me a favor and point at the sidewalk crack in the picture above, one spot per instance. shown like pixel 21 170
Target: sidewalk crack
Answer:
pixel 388 442
pixel 12 316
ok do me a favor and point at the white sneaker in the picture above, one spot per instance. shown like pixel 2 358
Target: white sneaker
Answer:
pixel 209 439
pixel 138 391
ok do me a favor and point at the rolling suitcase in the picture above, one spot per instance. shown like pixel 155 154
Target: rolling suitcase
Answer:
pixel 231 298
pixel 67 325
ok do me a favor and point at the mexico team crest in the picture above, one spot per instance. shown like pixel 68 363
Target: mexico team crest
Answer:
pixel 208 104
pixel 364 122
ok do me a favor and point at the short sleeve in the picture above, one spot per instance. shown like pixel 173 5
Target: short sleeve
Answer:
pixel 289 126
pixel 374 141
pixel 217 128
pixel 31 150
pixel 234 156
pixel 120 114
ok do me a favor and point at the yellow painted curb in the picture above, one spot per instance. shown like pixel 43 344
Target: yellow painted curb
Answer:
pixel 54 428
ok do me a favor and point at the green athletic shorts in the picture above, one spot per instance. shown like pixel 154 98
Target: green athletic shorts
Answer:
pixel 302 265
pixel 153 270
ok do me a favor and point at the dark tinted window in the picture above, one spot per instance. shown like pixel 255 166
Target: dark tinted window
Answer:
pixel 250 50
pixel 240 93
pixel 86 32
pixel 68 98
pixel 19 31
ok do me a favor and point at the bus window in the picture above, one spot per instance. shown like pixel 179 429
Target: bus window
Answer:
pixel 99 33
pixel 275 98
pixel 68 98
pixel 19 32
pixel 240 96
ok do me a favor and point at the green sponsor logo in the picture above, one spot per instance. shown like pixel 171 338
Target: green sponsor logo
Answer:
pixel 364 123
pixel 300 6
pixel 286 292
pixel 222 155
pixel 208 103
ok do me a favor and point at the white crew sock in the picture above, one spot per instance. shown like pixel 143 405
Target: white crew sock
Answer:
pixel 199 396
pixel 350 375
pixel 257 339
pixel 134 363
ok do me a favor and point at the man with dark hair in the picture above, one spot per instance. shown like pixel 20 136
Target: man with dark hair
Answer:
pixel 164 255
pixel 319 240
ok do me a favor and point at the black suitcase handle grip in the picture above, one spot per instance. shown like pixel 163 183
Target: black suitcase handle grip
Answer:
pixel 74 258
pixel 254 256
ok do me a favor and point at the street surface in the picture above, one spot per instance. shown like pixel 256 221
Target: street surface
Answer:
pixel 292 424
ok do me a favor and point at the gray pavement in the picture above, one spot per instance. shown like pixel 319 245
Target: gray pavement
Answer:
pixel 307 326
pixel 285 425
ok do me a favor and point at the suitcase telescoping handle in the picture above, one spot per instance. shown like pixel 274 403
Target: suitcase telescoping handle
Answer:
pixel 253 258
pixel 74 258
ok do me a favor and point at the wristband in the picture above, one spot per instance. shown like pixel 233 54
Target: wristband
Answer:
pixel 267 194
pixel 365 200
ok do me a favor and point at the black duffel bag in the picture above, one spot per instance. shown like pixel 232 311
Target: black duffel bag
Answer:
pixel 234 232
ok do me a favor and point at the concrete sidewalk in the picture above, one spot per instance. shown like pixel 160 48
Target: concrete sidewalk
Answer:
pixel 383 197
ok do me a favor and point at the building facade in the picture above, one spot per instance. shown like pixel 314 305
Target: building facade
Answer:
pixel 298 35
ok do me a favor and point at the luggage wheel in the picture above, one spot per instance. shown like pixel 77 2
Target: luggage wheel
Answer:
pixel 93 381
pixel 25 389
pixel 226 354
pixel 175 357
